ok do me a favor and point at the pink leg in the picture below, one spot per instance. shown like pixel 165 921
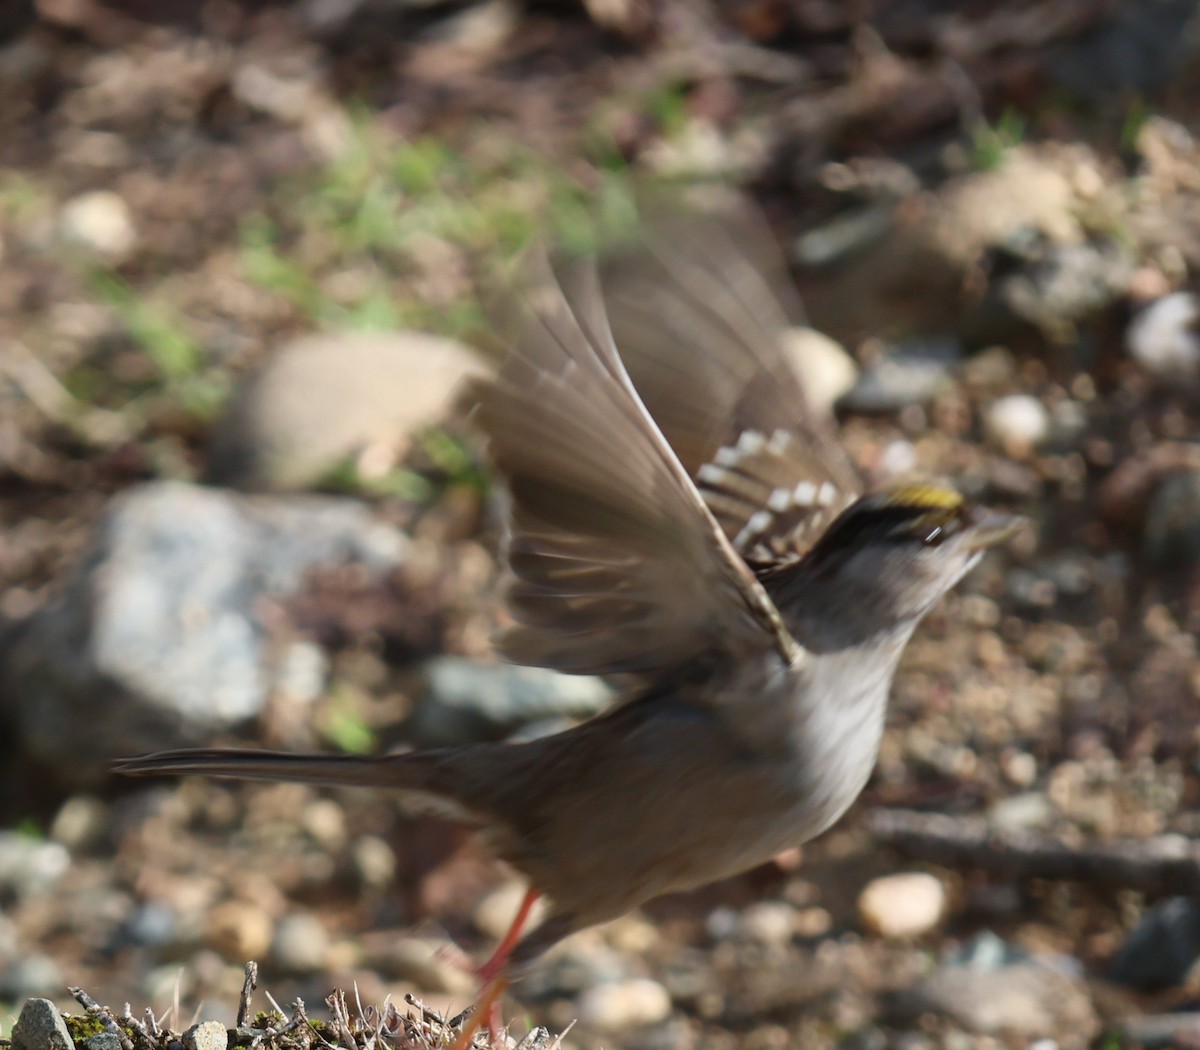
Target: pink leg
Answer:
pixel 494 980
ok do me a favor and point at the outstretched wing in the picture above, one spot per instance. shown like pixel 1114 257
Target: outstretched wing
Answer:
pixel 618 566
pixel 700 308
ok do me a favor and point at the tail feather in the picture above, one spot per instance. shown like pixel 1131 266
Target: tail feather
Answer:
pixel 414 774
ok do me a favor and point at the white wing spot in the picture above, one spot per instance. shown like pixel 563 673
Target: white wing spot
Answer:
pixel 760 521
pixel 751 442
pixel 727 457
pixel 779 500
pixel 806 493
pixel 827 494
pixel 711 474
pixel 779 441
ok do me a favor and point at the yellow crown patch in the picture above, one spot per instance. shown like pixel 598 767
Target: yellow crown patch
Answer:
pixel 925 497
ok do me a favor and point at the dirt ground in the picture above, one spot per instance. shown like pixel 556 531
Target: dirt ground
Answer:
pixel 185 187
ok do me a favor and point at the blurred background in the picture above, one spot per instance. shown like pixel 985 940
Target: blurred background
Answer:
pixel 241 252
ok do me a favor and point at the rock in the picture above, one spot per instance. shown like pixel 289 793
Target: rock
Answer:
pixel 323 398
pixel 909 374
pixel 300 945
pixel 207 1035
pixel 432 964
pixel 1163 947
pixel 80 822
pixel 577 965
pixel 768 923
pixel 1021 999
pixel 1017 423
pixel 157 636
pixel 28 976
pixel 239 930
pixel 28 864
pixel 1156 1031
pixel 496 909
pixel 1171 534
pixel 102 1041
pixel 1164 338
pixel 902 906
pixel 634 1003
pixel 826 371
pixel 40 1027
pixel 1064 283
pixel 468 701
pixel 374 861
pixel 1027 811
pixel 100 221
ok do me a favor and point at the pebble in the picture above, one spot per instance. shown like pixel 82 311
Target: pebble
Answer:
pixel 1171 535
pixel 301 944
pixel 1022 999
pixel 432 964
pixel 81 821
pixel 826 371
pixel 1164 339
pixel 467 701
pixel 1017 423
pixel 902 906
pixel 238 930
pixel 769 923
pixel 374 861
pixel 40 1027
pixel 102 1041
pixel 1162 949
pixel 28 864
pixel 634 1003
pixel 99 220
pixel 207 1035
pixel 1028 811
pixel 909 374
pixel 375 387
pixel 496 909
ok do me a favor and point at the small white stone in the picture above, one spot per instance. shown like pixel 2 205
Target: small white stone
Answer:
pixel 1017 421
pixel 901 906
pixel 768 922
pixel 301 944
pixel 497 908
pixel 621 1005
pixel 826 371
pixel 1163 338
pixel 99 220
pixel 207 1035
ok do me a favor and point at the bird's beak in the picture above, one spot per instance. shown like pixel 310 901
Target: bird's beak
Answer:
pixel 990 528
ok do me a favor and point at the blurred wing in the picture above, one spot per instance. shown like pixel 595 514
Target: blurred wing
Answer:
pixel 618 565
pixel 700 309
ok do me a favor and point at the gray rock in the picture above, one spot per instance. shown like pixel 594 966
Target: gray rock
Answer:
pixel 29 976
pixel 300 945
pixel 207 1035
pixel 156 638
pixel 1066 283
pixel 1022 999
pixel 102 1041
pixel 41 1027
pixel 28 864
pixel 323 398
pixel 1171 538
pixel 1159 1030
pixel 466 701
pixel 632 1003
pixel 1162 948
pixel 1164 338
pixel 907 375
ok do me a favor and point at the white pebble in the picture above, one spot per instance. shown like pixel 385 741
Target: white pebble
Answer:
pixel 901 906
pixel 627 1004
pixel 1163 337
pixel 495 911
pixel 99 220
pixel 1017 421
pixel 826 371
pixel 301 944
pixel 768 922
